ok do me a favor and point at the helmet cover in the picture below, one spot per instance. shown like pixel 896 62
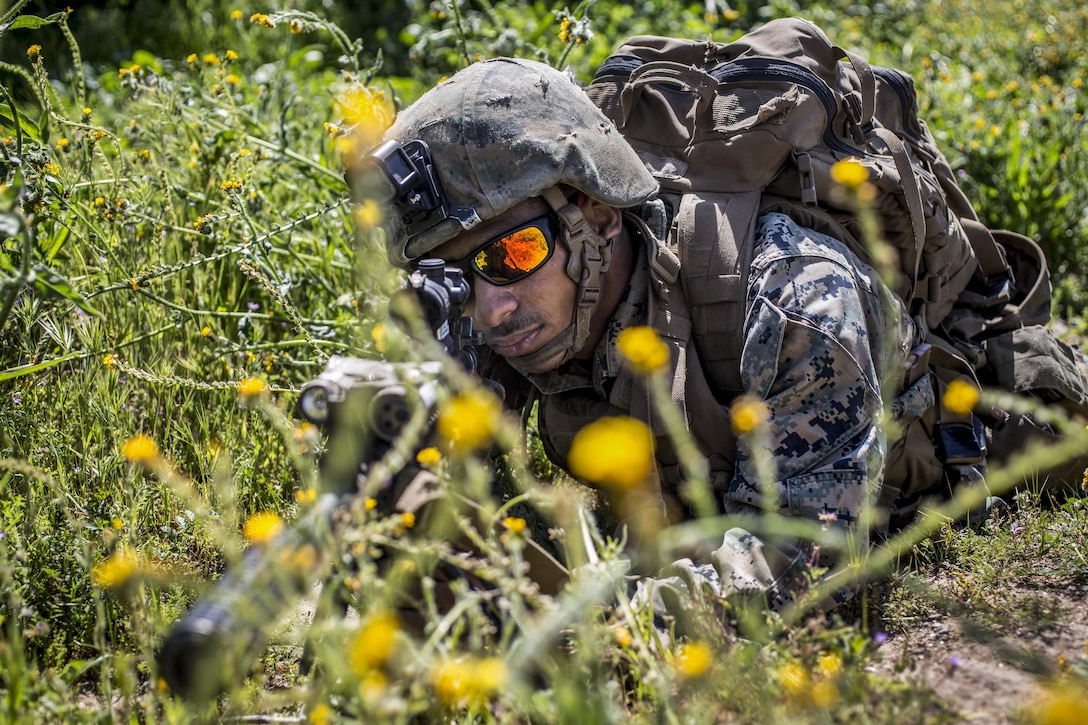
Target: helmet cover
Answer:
pixel 503 130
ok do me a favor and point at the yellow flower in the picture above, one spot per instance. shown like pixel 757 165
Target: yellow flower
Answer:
pixel 849 173
pixel 380 335
pixel 368 215
pixel 374 643
pixel 429 456
pixel 747 414
pixel 211 59
pixel 825 693
pixel 205 331
pixel 230 54
pixel 367 111
pixel 1066 706
pixel 514 524
pixel 192 58
pixel 33 52
pixel 262 19
pixel 140 449
pixel 116 570
pixel 236 15
pixel 249 387
pixel 469 420
pixel 617 452
pixel 408 519
pixel 468 681
pixel 117 524
pixel 829 664
pixel 960 397
pixel 792 677
pixel 694 660
pixel 233 79
pixel 622 635
pixel 643 348
pixel 262 527
pixel 306 495
pixel 109 360
pixel 321 713
pixel 370 503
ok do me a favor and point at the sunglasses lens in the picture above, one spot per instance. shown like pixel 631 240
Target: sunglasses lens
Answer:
pixel 513 256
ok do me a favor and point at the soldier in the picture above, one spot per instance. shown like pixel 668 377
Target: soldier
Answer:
pixel 538 197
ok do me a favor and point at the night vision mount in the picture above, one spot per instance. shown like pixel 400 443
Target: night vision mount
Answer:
pixel 403 176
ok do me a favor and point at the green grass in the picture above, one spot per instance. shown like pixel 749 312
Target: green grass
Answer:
pixel 191 231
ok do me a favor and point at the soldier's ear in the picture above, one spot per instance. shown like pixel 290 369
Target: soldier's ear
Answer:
pixel 607 220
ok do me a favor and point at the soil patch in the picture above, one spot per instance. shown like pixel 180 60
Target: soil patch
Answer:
pixel 993 670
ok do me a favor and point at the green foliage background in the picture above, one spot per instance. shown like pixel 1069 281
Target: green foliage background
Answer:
pixel 174 221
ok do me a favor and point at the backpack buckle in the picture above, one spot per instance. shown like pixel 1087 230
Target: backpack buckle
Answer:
pixel 808 181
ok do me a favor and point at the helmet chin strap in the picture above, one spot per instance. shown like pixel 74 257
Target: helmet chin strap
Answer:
pixel 590 256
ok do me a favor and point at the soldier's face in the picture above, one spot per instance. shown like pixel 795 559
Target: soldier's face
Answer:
pixel 521 316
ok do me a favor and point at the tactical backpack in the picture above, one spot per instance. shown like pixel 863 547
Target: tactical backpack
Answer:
pixel 732 131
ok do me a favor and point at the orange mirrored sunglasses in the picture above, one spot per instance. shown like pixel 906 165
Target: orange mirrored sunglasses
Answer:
pixel 515 254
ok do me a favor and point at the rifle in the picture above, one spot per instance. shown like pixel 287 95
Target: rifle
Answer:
pixel 369 409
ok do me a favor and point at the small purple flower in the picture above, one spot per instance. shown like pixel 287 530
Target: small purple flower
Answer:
pixel 880 637
pixel 16 399
pixel 1017 528
pixel 954 662
pixel 253 306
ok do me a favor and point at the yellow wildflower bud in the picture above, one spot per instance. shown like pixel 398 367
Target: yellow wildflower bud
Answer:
pixel 825 693
pixel 622 635
pixel 514 525
pixel 262 527
pixel 373 645
pixel 643 348
pixel 748 414
pixel 829 664
pixel 792 677
pixel 116 570
pixel 368 215
pixel 849 173
pixel 429 456
pixel 469 420
pixel 140 449
pixel 960 397
pixel 694 660
pixel 251 386
pixel 616 452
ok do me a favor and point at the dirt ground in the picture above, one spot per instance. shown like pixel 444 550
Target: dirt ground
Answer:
pixel 991 672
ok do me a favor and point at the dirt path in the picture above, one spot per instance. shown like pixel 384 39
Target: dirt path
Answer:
pixel 990 672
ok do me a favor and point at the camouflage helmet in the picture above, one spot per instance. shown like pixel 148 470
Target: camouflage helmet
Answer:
pixel 502 131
